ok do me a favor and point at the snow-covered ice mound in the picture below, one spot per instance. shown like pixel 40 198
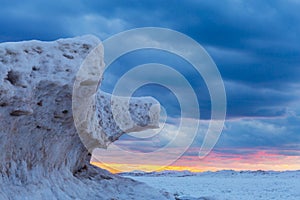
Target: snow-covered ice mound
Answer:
pixel 42 156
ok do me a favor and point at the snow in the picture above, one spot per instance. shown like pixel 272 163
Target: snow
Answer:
pixel 42 156
pixel 228 184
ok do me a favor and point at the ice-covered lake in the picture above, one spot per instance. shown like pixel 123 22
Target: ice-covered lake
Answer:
pixel 229 185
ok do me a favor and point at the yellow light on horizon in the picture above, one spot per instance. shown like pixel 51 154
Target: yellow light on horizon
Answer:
pixel 261 160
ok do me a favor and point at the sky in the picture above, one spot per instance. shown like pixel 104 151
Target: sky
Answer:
pixel 254 44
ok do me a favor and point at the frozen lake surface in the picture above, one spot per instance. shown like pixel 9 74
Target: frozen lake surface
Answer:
pixel 226 184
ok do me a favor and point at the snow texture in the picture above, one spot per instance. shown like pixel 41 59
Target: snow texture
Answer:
pixel 225 185
pixel 42 156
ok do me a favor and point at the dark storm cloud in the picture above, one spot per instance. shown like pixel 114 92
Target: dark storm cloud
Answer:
pixel 30 20
pixel 255 44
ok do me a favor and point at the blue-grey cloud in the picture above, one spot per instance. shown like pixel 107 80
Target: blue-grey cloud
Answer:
pixel 281 133
pixel 255 44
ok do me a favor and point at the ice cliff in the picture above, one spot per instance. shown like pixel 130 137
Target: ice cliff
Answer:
pixel 42 155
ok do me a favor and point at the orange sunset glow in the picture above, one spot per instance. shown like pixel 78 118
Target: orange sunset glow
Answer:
pixel 260 160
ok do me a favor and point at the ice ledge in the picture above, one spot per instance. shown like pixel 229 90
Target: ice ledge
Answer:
pixel 101 118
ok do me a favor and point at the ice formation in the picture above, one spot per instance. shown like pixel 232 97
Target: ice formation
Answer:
pixel 42 156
